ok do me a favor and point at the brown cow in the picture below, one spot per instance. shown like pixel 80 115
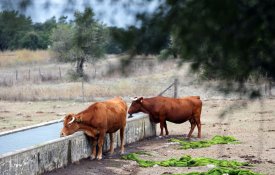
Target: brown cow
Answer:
pixel 176 110
pixel 97 120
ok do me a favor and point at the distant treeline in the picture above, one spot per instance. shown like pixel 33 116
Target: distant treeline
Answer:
pixel 18 31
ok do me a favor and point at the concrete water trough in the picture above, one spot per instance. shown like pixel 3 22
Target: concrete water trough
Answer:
pixel 38 149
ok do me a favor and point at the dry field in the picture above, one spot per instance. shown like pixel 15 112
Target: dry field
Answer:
pixel 38 91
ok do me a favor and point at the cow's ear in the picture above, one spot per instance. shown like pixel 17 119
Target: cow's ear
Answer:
pixel 69 115
pixel 141 99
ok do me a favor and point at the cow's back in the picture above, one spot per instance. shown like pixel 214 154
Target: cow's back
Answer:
pixel 114 114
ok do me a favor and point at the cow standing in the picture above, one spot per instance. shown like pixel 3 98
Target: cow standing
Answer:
pixel 175 110
pixel 97 120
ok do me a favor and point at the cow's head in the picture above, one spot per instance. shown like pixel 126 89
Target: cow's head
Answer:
pixel 136 105
pixel 70 126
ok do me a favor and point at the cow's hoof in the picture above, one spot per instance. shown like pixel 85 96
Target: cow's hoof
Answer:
pixel 160 137
pixel 92 157
pixel 99 158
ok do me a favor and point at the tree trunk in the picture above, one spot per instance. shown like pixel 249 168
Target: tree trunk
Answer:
pixel 79 67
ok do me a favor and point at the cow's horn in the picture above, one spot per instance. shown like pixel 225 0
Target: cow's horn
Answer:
pixel 73 119
pixel 134 99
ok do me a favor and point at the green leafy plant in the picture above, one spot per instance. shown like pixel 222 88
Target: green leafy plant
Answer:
pixel 184 161
pixel 222 171
pixel 205 143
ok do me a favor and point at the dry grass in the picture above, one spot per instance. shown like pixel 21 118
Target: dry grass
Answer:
pixel 146 77
pixel 20 57
pixel 73 90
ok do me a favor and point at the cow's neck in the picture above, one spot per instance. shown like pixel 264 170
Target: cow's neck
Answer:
pixel 81 118
pixel 145 106
pixel 90 131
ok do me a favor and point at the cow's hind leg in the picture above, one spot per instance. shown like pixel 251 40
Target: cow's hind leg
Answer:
pixel 111 135
pixel 198 122
pixel 121 132
pixel 193 125
pixel 197 116
pixel 94 143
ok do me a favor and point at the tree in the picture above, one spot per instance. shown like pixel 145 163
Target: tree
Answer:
pixel 84 42
pixel 13 26
pixel 62 42
pixel 31 40
pixel 232 39
pixel 44 31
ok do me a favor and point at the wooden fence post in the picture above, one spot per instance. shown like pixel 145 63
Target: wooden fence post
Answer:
pixel 175 88
pixel 40 74
pixel 16 75
pixel 29 74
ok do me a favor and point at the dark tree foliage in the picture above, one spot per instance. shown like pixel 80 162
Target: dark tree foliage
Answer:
pixel 117 41
pixel 17 31
pixel 150 38
pixel 229 39
pixel 13 26
pixel 31 40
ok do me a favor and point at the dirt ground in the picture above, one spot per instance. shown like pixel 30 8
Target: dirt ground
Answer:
pixel 15 115
pixel 251 122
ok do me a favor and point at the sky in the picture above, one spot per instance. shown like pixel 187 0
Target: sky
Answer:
pixel 111 12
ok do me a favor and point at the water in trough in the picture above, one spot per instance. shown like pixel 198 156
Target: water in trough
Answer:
pixel 29 137
pixel 33 136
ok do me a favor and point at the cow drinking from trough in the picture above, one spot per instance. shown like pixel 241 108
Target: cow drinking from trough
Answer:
pixel 175 110
pixel 97 120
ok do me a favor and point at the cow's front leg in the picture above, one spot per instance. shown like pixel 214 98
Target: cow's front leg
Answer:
pixel 111 143
pixel 161 125
pixel 94 143
pixel 166 130
pixel 100 145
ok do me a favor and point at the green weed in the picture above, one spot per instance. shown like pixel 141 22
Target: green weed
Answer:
pixel 205 143
pixel 223 171
pixel 184 161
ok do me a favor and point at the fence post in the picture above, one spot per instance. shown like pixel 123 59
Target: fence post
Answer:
pixel 29 74
pixel 40 75
pixel 16 75
pixel 175 88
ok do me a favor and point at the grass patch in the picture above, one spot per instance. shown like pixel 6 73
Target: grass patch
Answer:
pixel 23 56
pixel 184 161
pixel 223 171
pixel 205 143
pixel 143 153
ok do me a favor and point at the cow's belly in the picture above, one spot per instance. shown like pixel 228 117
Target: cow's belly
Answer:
pixel 178 118
pixel 113 127
pixel 112 130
